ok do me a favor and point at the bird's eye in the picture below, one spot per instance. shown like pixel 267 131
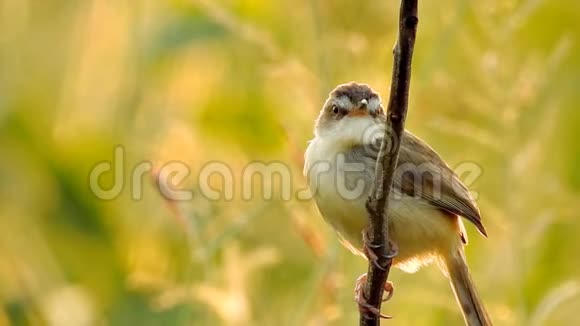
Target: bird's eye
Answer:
pixel 335 109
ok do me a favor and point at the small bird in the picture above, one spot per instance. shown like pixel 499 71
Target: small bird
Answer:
pixel 425 203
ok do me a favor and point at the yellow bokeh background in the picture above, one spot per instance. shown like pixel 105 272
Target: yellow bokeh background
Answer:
pixel 495 83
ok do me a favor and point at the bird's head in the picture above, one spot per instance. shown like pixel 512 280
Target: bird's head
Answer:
pixel 350 110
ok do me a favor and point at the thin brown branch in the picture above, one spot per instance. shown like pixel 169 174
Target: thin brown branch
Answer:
pixel 378 205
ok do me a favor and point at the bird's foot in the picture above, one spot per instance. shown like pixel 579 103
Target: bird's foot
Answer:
pixel 364 307
pixel 369 250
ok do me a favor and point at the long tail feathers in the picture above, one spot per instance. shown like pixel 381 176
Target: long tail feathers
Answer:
pixel 471 305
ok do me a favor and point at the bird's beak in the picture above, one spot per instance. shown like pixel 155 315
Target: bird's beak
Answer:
pixel 361 110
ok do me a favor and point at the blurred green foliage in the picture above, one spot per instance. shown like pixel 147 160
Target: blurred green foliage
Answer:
pixel 494 82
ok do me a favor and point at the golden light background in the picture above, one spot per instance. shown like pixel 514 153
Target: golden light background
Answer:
pixel 496 83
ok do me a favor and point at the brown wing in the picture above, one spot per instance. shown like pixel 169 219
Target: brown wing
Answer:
pixel 421 172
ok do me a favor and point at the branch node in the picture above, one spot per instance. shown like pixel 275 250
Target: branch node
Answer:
pixel 411 22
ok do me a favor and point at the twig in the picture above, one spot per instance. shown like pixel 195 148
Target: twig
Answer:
pixel 377 204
